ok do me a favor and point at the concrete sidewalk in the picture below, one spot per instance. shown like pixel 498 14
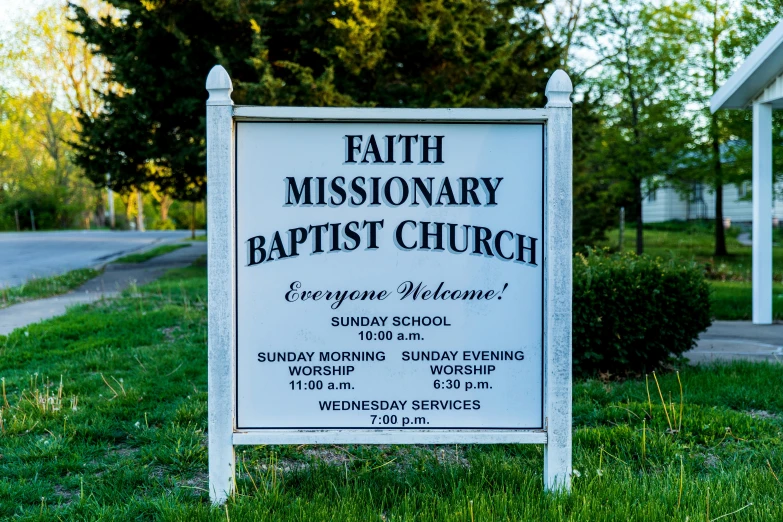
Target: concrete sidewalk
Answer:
pixel 114 279
pixel 739 340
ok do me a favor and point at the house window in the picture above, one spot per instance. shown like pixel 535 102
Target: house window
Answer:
pixel 698 193
pixel 651 196
pixel 742 189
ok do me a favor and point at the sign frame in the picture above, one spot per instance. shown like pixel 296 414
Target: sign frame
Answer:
pixel 223 435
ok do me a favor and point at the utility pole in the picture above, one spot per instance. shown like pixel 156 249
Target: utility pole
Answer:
pixel 32 219
pixel 110 196
pixel 140 213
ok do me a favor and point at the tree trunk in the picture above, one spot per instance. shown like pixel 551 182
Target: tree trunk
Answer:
pixel 639 220
pixel 128 201
pixel 140 211
pixel 720 232
pixel 100 214
pixel 165 204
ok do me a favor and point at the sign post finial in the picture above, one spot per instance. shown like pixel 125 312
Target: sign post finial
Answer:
pixel 558 90
pixel 219 87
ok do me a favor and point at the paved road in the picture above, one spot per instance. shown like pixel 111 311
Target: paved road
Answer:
pixel 113 280
pixel 739 340
pixel 37 254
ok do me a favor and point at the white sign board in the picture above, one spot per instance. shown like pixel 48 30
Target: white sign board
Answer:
pixel 388 276
pixel 386 284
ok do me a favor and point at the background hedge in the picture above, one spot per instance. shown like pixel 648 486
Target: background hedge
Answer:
pixel 632 313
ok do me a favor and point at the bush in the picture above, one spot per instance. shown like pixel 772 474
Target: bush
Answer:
pixel 49 208
pixel 159 224
pixel 631 313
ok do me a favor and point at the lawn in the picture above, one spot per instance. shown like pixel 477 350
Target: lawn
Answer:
pixel 730 277
pixel 696 240
pixel 733 300
pixel 104 418
pixel 149 254
pixel 40 287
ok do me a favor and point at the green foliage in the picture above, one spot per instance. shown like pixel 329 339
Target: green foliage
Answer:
pixel 36 168
pixel 410 53
pixel 45 73
pixel 151 128
pixel 733 300
pixel 128 438
pixel 693 240
pixel 40 287
pixel 149 254
pixel 719 146
pixel 642 51
pixel 594 209
pixel 754 20
pixel 48 206
pixel 632 313
pixel 182 213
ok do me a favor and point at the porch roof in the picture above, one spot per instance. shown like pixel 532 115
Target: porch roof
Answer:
pixel 759 79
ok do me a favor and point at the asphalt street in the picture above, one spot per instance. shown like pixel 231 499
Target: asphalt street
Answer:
pixel 38 254
pixel 739 340
pixel 115 278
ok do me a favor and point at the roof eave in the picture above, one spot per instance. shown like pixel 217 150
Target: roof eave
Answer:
pixel 759 70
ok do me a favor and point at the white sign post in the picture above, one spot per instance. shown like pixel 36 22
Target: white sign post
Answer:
pixel 389 276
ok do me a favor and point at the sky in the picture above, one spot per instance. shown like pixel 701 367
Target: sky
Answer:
pixel 11 10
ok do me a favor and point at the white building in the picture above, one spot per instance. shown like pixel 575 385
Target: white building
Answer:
pixel 666 204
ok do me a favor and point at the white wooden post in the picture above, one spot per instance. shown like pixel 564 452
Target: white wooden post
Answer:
pixel 220 263
pixel 762 213
pixel 557 284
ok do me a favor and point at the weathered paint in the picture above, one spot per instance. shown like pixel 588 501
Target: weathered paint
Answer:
pixel 558 284
pixel 220 275
pixel 221 115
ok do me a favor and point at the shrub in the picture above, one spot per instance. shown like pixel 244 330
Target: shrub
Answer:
pixel 49 208
pixel 159 224
pixel 632 313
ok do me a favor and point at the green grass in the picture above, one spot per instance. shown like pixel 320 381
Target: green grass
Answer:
pixel 732 300
pixel 40 287
pixel 124 439
pixel 696 241
pixel 730 277
pixel 149 254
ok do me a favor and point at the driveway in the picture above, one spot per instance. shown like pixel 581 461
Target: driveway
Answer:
pixel 739 340
pixel 38 254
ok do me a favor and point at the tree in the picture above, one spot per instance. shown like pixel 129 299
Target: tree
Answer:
pixel 563 23
pixel 151 130
pixel 641 50
pixel 711 67
pixel 388 53
pixel 49 73
pixel 49 58
pixel 754 20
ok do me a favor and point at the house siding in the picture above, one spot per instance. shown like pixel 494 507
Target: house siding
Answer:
pixel 668 205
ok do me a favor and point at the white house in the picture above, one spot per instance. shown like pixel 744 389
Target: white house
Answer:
pixel 666 204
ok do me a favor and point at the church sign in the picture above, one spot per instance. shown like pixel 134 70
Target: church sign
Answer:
pixel 389 276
